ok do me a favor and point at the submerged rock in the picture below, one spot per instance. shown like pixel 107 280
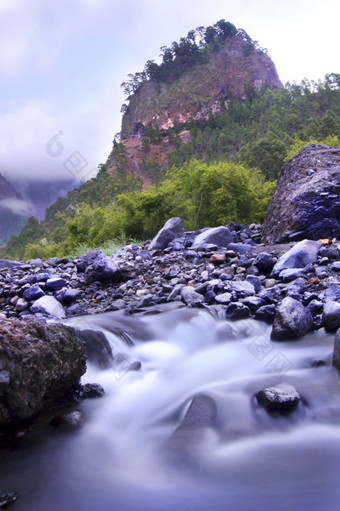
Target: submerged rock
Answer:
pixel 201 414
pixel 281 398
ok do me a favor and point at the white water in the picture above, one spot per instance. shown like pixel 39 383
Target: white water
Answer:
pixel 250 461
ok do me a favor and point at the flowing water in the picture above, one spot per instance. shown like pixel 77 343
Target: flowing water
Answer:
pixel 122 459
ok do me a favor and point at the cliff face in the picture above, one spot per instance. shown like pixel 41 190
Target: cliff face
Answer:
pixel 202 90
pixel 6 190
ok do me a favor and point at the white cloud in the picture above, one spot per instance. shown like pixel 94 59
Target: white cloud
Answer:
pixel 20 207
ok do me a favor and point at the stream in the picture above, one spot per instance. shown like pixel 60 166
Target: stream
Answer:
pixel 121 458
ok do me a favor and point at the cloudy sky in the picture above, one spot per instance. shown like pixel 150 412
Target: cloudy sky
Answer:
pixel 62 63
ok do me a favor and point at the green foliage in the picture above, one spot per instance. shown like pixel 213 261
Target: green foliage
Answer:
pixel 300 144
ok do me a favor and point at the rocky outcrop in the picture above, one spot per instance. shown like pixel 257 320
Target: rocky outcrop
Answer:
pixel 201 90
pixel 306 201
pixel 39 365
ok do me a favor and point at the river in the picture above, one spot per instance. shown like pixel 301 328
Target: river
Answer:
pixel 122 459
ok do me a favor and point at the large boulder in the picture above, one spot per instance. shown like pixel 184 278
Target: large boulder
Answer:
pixel 219 236
pixel 292 320
pixel 172 229
pixel 306 201
pixel 40 364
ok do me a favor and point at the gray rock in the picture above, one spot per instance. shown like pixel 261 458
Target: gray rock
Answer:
pixel 281 398
pixel 236 311
pixel 190 296
pixel 291 274
pixel 292 320
pixel 331 316
pixel 256 281
pixel 175 224
pixel 33 293
pixel 243 288
pixel 241 248
pixel 336 351
pixel 331 294
pixel 303 253
pixel 264 261
pixel 105 268
pixel 21 305
pixel 266 313
pixel 97 347
pixel 55 283
pixel 219 236
pixel 201 414
pixel 162 239
pixel 5 263
pixel 301 203
pixel 91 390
pixel 48 306
pixel 223 298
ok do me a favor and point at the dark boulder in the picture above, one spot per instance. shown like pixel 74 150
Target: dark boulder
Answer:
pixel 313 198
pixel 219 236
pixel 97 347
pixel 281 398
pixel 40 364
pixel 292 320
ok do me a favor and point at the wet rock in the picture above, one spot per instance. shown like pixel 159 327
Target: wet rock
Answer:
pixel 201 414
pixel 331 316
pixel 336 351
pixel 97 347
pixel 33 293
pixel 190 296
pixel 91 390
pixel 55 283
pixel 218 236
pixel 302 254
pixel 236 311
pixel 105 268
pixel 291 274
pixel 292 320
pixel 7 498
pixel 49 306
pixel 243 288
pixel 40 364
pixel 72 419
pixel 266 313
pixel 281 398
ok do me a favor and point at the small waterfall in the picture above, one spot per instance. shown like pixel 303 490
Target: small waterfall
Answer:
pixel 121 458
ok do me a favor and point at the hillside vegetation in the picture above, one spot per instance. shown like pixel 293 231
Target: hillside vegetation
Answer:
pixel 216 170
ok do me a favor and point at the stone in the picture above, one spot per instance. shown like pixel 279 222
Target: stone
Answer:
pixel 236 311
pixel 255 281
pixel 7 499
pixel 332 293
pixel 91 391
pixel 292 320
pixel 162 239
pixel 241 248
pixel 72 419
pixel 264 261
pixel 243 288
pixel 281 398
pixel 301 203
pixel 55 283
pixel 302 254
pixel 175 224
pixel 97 347
pixel 190 296
pixel 291 274
pixel 48 306
pixel 331 316
pixel 33 293
pixel 266 313
pixel 21 305
pixel 41 363
pixel 336 350
pixel 223 298
pixel 201 414
pixel 219 236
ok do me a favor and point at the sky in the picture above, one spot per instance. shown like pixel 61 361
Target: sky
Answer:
pixel 62 63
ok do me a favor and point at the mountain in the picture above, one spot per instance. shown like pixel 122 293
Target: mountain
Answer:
pixel 196 80
pixel 12 207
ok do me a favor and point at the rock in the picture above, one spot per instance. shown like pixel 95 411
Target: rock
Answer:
pixel 105 268
pixel 281 398
pixel 236 311
pixel 190 296
pixel 72 419
pixel 55 283
pixel 255 281
pixel 97 347
pixel 175 224
pixel 311 211
pixel 201 414
pixel 7 498
pixel 331 316
pixel 223 298
pixel 264 261
pixel 40 363
pixel 49 306
pixel 219 236
pixel 33 293
pixel 162 239
pixel 243 288
pixel 266 313
pixel 241 248
pixel 336 351
pixel 292 320
pixel 91 390
pixel 303 253
pixel 21 305
pixel 331 294
pixel 291 274
pixel 5 263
